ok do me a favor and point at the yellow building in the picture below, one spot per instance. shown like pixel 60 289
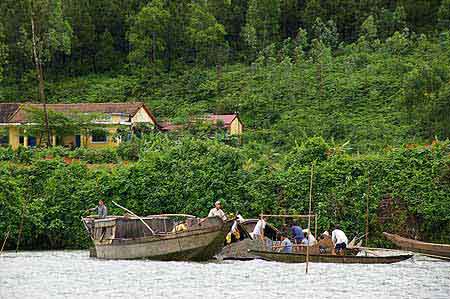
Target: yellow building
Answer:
pixel 14 118
pixel 230 122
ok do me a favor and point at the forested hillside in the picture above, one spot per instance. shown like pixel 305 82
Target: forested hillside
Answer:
pixel 373 73
pixel 360 88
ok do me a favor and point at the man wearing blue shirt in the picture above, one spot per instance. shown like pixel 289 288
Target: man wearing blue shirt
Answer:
pixel 297 233
pixel 286 245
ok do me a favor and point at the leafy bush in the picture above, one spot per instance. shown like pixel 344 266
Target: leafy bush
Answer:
pixel 6 153
pixel 104 155
pixel 24 154
pixel 187 175
pixel 129 151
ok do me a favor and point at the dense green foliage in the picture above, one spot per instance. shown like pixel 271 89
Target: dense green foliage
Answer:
pixel 352 85
pixel 408 193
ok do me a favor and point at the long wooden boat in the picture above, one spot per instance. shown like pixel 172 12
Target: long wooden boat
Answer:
pixel 431 249
pixel 119 237
pixel 327 258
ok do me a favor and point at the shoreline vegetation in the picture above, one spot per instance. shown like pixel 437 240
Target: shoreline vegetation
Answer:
pixel 185 175
pixel 361 89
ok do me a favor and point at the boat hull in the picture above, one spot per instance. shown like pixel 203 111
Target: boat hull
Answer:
pixel 188 246
pixel 336 259
pixel 119 237
pixel 241 250
pixel 432 249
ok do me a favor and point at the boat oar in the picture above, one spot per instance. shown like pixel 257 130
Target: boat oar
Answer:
pixel 125 209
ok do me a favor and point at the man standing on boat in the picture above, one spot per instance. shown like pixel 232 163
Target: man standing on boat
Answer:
pixel 297 233
pixel 102 210
pixel 217 211
pixel 339 239
pixel 258 231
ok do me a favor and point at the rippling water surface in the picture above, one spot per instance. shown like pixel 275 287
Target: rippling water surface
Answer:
pixel 72 274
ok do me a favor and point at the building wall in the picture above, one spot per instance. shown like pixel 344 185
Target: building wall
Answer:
pixel 14 137
pixel 236 127
pixel 142 117
pixel 87 142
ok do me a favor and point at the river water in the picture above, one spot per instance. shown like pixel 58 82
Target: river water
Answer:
pixel 72 274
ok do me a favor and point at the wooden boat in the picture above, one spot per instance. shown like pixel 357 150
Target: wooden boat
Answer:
pixel 431 249
pixel 119 237
pixel 239 249
pixel 327 258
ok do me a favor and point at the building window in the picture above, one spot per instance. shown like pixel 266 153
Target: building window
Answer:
pixel 21 140
pixel 4 137
pixel 99 136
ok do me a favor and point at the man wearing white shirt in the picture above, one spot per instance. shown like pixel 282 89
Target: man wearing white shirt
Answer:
pixel 258 231
pixel 339 239
pixel 217 211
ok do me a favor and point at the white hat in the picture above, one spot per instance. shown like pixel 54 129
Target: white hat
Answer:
pixel 306 230
pixel 326 233
pixel 217 202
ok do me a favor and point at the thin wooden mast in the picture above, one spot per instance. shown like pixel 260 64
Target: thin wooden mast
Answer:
pixel 309 216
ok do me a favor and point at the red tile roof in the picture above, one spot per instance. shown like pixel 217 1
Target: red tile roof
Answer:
pixel 130 109
pixel 168 126
pixel 7 110
pixel 227 119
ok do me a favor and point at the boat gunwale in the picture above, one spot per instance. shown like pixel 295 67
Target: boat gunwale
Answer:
pixel 392 258
pixel 163 237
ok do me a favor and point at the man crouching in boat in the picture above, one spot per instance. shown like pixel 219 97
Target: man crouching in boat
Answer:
pixel 217 211
pixel 102 210
pixel 285 246
pixel 339 239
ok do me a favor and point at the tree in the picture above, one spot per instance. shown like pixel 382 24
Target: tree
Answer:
pixel 301 41
pixel 444 15
pixel 106 54
pixel 3 52
pixel 206 35
pixel 368 38
pixel 48 34
pixel 312 11
pixel 391 21
pixel 148 34
pixel 325 32
pixel 262 23
pixel 321 56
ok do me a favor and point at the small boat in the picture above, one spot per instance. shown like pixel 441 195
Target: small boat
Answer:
pixel 431 249
pixel 157 237
pixel 328 258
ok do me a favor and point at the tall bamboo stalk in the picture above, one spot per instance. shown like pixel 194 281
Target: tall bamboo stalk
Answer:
pixel 309 216
pixel 4 242
pixel 367 210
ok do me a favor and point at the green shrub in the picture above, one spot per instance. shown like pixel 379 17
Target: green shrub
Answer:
pixel 129 151
pixel 24 154
pixel 94 156
pixel 6 153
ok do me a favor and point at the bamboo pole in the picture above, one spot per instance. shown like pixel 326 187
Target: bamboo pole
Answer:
pixel 20 227
pixel 289 216
pixel 315 225
pixel 367 210
pixel 309 216
pixel 146 225
pixel 173 215
pixel 4 242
